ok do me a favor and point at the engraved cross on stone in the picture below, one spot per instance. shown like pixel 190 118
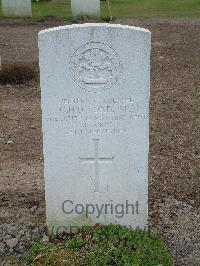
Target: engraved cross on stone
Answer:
pixel 96 160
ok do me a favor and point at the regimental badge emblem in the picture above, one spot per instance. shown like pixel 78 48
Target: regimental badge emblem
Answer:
pixel 95 66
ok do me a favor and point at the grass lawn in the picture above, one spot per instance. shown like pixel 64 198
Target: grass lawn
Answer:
pixel 100 245
pixel 126 9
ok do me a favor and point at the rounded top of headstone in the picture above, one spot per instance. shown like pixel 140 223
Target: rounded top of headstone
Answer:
pixel 94 25
pixel 93 54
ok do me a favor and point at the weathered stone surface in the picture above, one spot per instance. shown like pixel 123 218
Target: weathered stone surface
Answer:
pixel 17 245
pixel 21 248
pixel 17 8
pixel 90 8
pixel 95 103
pixel 2 248
pixel 11 243
pixel 12 230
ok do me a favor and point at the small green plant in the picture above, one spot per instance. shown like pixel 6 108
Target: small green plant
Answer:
pixel 116 245
pixel 101 245
pixel 76 242
pixel 37 248
pixel 37 238
pixel 105 18
pixel 73 19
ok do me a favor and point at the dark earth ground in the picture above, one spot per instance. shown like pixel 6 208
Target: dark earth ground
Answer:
pixel 174 172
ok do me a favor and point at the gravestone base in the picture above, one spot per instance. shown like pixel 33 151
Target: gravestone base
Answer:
pixel 103 208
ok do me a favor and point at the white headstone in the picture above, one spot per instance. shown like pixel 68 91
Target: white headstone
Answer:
pixel 90 8
pixel 95 105
pixel 16 8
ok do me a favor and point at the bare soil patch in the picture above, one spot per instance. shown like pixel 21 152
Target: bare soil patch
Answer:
pixel 17 74
pixel 174 160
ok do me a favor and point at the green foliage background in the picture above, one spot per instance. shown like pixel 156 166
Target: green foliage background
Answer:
pixel 124 9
